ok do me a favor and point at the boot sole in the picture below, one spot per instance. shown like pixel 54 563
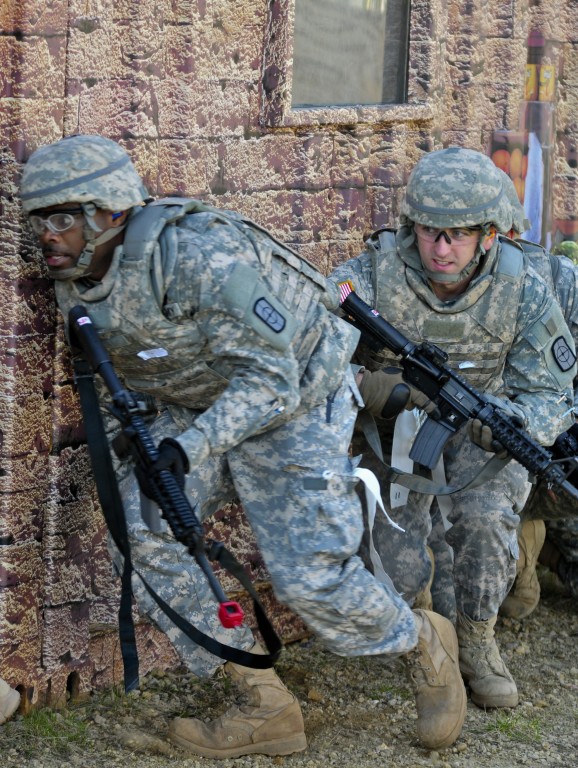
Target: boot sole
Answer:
pixel 495 702
pixel 271 748
pixel 498 701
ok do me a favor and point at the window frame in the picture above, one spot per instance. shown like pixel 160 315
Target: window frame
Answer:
pixel 277 76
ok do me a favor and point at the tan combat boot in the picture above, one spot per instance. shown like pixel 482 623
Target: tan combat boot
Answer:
pixel 269 723
pixel 550 556
pixel 490 682
pixel 525 594
pixel 9 701
pixel 433 668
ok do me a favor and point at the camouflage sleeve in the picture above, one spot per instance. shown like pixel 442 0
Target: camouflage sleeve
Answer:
pixel 567 293
pixel 358 272
pixel 541 364
pixel 249 336
pixel 263 387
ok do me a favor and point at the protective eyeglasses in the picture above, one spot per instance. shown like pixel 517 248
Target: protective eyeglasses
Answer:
pixel 458 236
pixel 57 222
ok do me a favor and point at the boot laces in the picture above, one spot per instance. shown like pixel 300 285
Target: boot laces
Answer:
pixel 419 670
pixel 488 655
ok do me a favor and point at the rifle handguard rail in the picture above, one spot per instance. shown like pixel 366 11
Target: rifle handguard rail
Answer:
pixel 425 367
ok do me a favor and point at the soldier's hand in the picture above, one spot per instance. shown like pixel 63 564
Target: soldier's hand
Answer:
pixel 386 394
pixel 171 457
pixel 481 435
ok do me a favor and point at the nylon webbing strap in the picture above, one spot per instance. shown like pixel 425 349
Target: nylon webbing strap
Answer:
pixel 111 504
pixel 113 512
pixel 422 484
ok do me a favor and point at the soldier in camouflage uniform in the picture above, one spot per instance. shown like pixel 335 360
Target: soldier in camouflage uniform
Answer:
pixel 234 338
pixel 446 277
pixel 555 542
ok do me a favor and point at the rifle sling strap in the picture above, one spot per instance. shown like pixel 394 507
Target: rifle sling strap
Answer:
pixel 422 484
pixel 111 504
pixel 113 511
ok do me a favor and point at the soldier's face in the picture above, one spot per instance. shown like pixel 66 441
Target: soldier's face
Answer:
pixel 61 249
pixel 448 251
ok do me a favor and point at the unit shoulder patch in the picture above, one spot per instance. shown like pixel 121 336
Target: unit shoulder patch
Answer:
pixel 563 354
pixel 266 312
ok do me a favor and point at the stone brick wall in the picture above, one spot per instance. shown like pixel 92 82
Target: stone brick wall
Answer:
pixel 198 91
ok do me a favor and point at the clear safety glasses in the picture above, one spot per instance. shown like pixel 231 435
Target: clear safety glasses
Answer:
pixel 57 222
pixel 458 236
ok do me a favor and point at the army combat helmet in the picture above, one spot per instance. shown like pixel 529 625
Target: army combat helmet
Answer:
pixel 89 170
pixel 452 188
pixel 518 221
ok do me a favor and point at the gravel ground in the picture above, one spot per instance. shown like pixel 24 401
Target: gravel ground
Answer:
pixel 358 712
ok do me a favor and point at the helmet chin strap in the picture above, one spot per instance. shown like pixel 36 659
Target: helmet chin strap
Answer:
pixel 93 240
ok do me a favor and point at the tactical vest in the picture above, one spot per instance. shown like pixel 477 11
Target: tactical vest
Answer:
pixel 147 318
pixel 542 262
pixel 477 336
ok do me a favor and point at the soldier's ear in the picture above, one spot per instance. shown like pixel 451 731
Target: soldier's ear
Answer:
pixel 488 240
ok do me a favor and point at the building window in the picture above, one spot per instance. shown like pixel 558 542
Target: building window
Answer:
pixel 350 52
pixel 346 62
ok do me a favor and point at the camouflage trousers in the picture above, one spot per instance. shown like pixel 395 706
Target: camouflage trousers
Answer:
pixel 476 556
pixel 564 535
pixel 560 513
pixel 559 509
pixel 296 484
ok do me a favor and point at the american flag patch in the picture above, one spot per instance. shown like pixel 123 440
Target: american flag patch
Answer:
pixel 345 289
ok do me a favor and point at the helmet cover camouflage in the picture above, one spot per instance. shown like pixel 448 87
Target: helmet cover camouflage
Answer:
pixel 81 169
pixel 519 223
pixel 456 187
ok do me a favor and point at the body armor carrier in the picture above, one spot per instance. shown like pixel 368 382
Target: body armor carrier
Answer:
pixel 147 305
pixel 476 331
pixel 542 262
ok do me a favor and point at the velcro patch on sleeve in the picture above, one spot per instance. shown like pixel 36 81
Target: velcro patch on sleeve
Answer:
pixel 247 297
pixel 269 315
pixel 563 354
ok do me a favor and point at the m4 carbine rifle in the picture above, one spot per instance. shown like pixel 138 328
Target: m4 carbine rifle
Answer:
pixel 424 367
pixel 167 492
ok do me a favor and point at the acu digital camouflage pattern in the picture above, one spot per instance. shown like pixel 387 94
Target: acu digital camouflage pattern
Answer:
pixel 500 334
pixel 455 187
pixel 81 169
pixel 228 332
pixel 267 366
pixel 483 535
pixel 560 511
pixel 502 328
pixel 518 222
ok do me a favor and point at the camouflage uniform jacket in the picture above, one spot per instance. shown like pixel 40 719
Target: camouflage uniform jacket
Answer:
pixel 501 333
pixel 206 311
pixel 561 276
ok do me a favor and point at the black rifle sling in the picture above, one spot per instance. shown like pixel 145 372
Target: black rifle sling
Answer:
pixel 113 512
pixel 112 509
